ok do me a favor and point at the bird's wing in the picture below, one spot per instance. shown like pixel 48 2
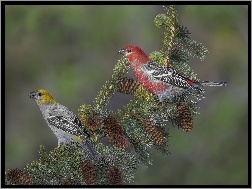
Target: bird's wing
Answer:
pixel 166 75
pixel 62 118
pixel 67 125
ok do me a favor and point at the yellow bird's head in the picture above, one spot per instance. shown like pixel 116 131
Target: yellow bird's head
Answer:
pixel 42 97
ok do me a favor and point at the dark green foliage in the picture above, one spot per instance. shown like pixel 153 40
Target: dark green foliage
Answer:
pixel 57 165
pixel 110 87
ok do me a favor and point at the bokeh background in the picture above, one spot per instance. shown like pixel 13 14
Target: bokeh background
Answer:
pixel 71 51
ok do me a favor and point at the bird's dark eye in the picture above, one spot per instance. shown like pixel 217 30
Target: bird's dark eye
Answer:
pixel 39 94
pixel 128 51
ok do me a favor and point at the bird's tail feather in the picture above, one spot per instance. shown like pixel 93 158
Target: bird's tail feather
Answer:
pixel 90 151
pixel 210 83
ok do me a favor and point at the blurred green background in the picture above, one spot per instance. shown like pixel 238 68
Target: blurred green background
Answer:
pixel 71 51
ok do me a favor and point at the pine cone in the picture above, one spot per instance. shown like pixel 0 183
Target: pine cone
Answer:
pixel 89 172
pixel 127 86
pixel 19 177
pixel 93 122
pixel 114 176
pixel 155 134
pixel 184 119
pixel 115 132
pixel 69 182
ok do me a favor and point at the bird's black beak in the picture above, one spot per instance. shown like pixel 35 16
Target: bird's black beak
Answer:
pixel 122 51
pixel 33 94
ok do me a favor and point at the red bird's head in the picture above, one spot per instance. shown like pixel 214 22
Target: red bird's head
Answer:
pixel 135 55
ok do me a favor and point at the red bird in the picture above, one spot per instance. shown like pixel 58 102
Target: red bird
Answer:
pixel 162 81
